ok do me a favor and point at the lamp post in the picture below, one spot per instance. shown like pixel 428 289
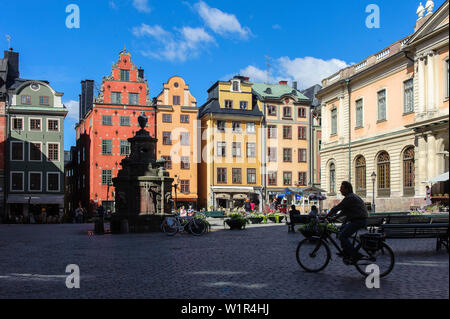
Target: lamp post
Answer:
pixel 374 177
pixel 176 186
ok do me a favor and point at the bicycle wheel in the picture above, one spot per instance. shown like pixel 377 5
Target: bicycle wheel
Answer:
pixel 313 255
pixel 169 228
pixel 197 227
pixel 383 258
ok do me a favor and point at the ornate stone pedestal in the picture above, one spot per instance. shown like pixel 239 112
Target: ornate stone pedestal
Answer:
pixel 143 187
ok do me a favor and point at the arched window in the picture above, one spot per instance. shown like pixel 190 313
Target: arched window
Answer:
pixel 360 170
pixel 384 175
pixel 332 179
pixel 408 172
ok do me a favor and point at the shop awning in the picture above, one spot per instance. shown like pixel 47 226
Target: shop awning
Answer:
pixel 441 178
pixel 36 199
pixel 223 196
pixel 240 196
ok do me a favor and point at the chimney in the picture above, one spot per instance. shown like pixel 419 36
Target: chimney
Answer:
pixel 13 66
pixel 82 99
pixel 87 97
pixel 295 85
pixel 283 82
pixel 246 78
pixel 141 73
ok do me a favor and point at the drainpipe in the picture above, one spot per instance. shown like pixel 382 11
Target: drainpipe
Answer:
pixel 311 145
pixel 347 82
pixel 7 158
pixel 263 153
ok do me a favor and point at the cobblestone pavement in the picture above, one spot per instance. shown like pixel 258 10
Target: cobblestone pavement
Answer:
pixel 258 262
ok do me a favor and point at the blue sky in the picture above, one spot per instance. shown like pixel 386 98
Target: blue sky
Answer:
pixel 202 41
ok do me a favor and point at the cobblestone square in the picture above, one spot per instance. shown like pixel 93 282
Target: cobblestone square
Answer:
pixel 257 263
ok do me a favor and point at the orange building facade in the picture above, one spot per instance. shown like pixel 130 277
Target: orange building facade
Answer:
pixel 106 123
pixel 177 139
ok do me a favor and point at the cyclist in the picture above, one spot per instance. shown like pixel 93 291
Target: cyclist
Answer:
pixel 354 210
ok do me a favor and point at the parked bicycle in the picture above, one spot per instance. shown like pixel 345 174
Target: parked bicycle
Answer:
pixel 195 225
pixel 314 253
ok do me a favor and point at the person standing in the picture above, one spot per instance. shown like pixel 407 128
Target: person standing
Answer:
pixel 428 201
pixel 247 206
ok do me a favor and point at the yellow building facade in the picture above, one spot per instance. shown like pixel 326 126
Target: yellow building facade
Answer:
pixel 231 139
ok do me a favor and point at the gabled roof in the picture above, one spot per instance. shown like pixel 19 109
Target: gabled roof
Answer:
pixel 311 92
pixel 213 107
pixel 277 91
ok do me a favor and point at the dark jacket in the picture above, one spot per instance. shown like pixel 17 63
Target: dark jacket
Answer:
pixel 352 207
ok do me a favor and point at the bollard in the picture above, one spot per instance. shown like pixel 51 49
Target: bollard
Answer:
pixel 124 229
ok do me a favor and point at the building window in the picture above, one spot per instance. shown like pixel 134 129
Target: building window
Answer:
pixel 168 164
pixel 334 121
pixel 221 126
pixel 221 149
pixel 360 169
pixel 53 152
pixel 116 98
pixel 272 178
pixel 17 124
pixel 301 112
pixel 107 120
pixel 106 177
pixel 125 121
pixel 133 98
pixel 125 75
pixel 167 118
pixel 302 179
pixel 237 127
pixel 176 100
pixel 125 148
pixel 167 138
pixel 408 96
pixel 53 182
pixel 287 112
pixel 302 155
pixel 359 113
pixel 35 152
pixel 17 181
pixel 251 128
pixel 236 86
pixel 287 132
pixel 184 118
pixel 272 154
pixel 287 155
pixel 409 172
pixel 272 110
pixel 184 187
pixel 184 138
pixel 251 175
pixel 236 149
pixel 53 125
pixel 25 99
pixel 243 105
pixel 251 150
pixel 43 100
pixel 237 176
pixel 35 182
pixel 287 178
pixel 185 162
pixel 382 105
pixel 17 152
pixel 228 104
pixel 106 147
pixel 221 175
pixel 302 133
pixel 35 124
pixel 332 179
pixel 272 131
pixel 384 175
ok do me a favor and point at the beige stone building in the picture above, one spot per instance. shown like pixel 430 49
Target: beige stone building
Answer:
pixel 387 115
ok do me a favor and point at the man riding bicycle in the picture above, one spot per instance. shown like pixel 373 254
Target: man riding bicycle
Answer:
pixel 354 210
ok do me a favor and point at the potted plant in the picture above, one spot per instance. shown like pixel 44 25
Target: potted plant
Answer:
pixel 276 217
pixel 236 221
pixel 256 218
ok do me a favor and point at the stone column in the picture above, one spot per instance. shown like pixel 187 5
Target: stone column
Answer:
pixel 421 167
pixel 430 83
pixel 325 132
pixel 431 162
pixel 421 74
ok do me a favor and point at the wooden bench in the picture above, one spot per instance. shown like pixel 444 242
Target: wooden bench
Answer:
pixel 297 220
pixel 436 230
pixel 215 214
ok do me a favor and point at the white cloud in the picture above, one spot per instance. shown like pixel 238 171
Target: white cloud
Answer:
pixel 112 4
pixel 142 6
pixel 179 46
pixel 220 22
pixel 73 107
pixel 307 71
pixel 276 27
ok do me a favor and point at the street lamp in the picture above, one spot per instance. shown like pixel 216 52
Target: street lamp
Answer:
pixel 374 177
pixel 176 186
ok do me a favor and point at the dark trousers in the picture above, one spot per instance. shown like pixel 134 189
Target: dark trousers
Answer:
pixel 346 232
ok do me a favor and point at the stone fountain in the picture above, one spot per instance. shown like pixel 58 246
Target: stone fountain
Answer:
pixel 143 187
